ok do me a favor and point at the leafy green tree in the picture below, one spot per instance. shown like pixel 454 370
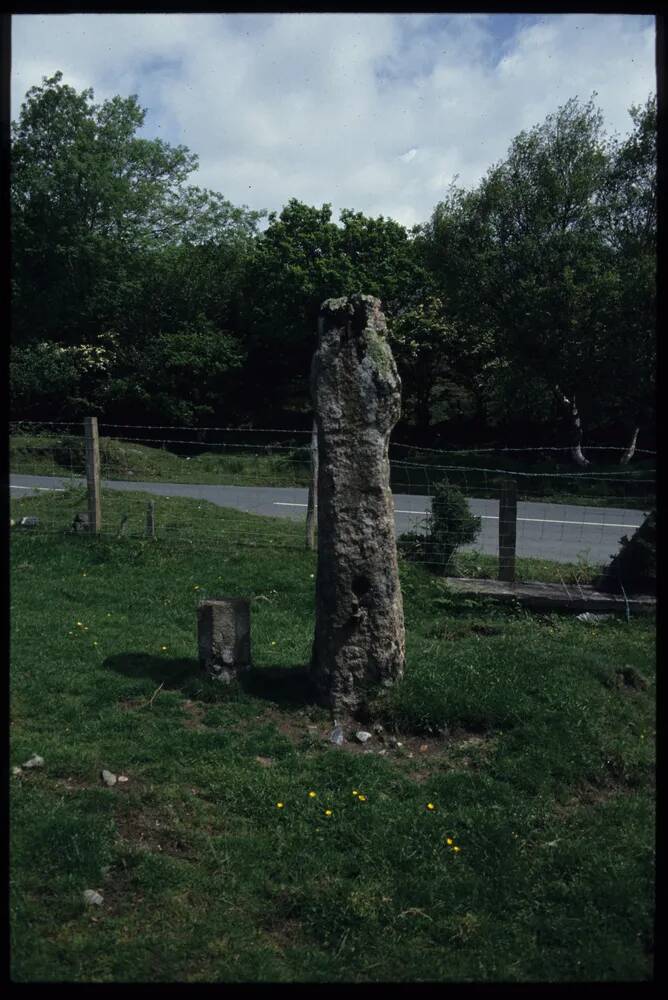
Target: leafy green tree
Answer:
pixel 629 228
pixel 302 259
pixel 86 195
pixel 179 377
pixel 292 270
pixel 523 262
pixel 436 363
pixel 108 236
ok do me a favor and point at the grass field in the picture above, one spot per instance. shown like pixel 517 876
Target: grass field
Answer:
pixel 411 472
pixel 532 736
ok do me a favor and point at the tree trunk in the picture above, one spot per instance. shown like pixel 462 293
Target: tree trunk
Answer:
pixel 311 508
pixel 576 426
pixel 631 450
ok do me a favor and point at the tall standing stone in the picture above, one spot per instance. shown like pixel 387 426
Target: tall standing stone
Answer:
pixel 359 631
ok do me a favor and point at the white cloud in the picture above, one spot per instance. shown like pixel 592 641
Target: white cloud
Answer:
pixel 374 112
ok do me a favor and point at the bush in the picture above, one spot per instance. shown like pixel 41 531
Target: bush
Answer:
pixel 634 566
pixel 449 525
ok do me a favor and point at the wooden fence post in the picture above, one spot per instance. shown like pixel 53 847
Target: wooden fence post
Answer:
pixel 150 519
pixel 93 474
pixel 311 511
pixel 507 529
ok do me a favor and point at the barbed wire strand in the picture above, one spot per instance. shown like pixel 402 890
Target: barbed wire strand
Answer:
pixel 295 430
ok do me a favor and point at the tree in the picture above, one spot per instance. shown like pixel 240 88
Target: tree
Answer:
pixel 523 262
pixel 302 259
pixel 629 229
pixel 109 238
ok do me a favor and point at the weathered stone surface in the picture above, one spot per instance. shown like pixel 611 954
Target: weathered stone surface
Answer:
pixel 359 639
pixel 223 634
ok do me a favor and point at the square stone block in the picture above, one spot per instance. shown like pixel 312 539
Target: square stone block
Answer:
pixel 223 637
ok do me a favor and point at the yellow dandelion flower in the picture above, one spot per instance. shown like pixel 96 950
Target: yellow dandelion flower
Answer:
pixel 431 806
pixel 328 812
pixel 361 798
pixel 456 849
pixel 355 792
pixel 280 805
pixel 273 642
pixel 163 648
pixel 449 841
pixel 312 795
pixel 80 624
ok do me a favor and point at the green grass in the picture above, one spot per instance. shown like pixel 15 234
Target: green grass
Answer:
pixel 54 455
pixel 550 482
pixel 539 761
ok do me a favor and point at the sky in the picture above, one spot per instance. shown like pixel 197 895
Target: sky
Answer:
pixel 378 113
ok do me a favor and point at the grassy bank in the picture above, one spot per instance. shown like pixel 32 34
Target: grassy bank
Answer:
pixel 531 736
pixel 411 472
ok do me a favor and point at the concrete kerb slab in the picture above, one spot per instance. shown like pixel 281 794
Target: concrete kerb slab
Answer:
pixel 553 596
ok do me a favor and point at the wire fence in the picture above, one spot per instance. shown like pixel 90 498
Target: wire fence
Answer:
pixel 218 486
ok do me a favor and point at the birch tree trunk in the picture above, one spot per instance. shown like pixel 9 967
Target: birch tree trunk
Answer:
pixel 576 426
pixel 631 450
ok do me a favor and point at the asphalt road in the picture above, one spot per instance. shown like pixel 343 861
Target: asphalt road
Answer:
pixel 560 532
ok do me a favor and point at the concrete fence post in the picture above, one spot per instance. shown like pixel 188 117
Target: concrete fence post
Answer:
pixel 507 529
pixel 93 474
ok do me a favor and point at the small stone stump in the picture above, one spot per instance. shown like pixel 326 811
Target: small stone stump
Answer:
pixel 223 637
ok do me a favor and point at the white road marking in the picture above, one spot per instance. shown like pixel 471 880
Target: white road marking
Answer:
pixel 495 517
pixel 48 489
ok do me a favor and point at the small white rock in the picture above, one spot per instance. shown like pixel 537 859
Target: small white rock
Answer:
pixel 336 736
pixel 35 761
pixel 362 736
pixel 123 777
pixel 108 778
pixel 92 897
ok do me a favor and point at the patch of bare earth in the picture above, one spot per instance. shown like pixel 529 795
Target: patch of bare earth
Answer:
pixel 151 830
pixel 588 796
pixel 194 714
pixel 418 756
pixel 283 934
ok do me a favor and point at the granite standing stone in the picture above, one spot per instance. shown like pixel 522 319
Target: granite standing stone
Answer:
pixel 359 639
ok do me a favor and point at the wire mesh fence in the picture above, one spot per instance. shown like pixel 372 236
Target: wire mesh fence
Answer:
pixel 217 486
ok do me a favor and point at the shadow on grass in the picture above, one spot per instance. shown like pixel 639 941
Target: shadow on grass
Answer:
pixel 288 687
pixel 171 672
